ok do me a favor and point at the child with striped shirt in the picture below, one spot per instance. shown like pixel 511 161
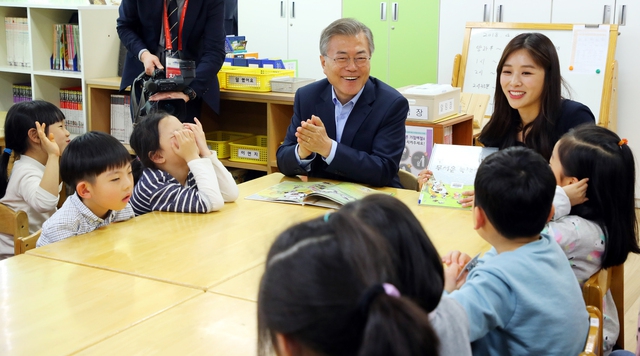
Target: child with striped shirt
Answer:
pixel 180 173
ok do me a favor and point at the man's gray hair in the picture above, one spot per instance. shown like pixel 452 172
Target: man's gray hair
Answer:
pixel 347 27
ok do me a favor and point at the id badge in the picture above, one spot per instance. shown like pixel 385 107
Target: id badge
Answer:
pixel 172 68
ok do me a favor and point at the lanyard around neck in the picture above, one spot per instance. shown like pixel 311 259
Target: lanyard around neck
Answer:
pixel 167 32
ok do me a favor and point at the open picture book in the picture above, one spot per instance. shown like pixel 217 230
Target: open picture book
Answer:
pixel 454 170
pixel 324 194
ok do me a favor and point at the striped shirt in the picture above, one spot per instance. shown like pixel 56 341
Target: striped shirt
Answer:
pixel 208 186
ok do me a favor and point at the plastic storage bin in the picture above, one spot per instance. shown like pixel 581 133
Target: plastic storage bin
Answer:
pixel 249 150
pixel 254 79
pixel 219 141
pixel 222 75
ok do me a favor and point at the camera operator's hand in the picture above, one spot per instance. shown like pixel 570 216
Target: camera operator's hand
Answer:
pixel 169 95
pixel 151 62
pixel 184 145
pixel 201 140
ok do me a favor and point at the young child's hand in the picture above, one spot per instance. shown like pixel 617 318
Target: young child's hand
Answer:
pixel 184 145
pixel 423 177
pixel 201 140
pixel 467 201
pixel 577 192
pixel 48 144
pixel 455 261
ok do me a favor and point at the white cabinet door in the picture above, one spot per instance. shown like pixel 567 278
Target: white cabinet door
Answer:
pixel 627 54
pixel 522 11
pixel 454 15
pixel 307 19
pixel 264 24
pixel 582 11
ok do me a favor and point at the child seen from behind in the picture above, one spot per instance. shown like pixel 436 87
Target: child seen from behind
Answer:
pixel 35 133
pixel 601 231
pixel 522 297
pixel 98 167
pixel 328 290
pixel 418 267
pixel 181 173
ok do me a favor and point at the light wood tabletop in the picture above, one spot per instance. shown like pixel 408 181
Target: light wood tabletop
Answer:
pixel 56 308
pixel 208 324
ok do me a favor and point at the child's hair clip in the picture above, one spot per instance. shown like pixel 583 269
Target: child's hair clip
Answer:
pixel 8 151
pixel 327 215
pixel 624 141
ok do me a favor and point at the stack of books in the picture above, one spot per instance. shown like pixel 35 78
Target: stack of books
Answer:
pixel 66 48
pixel 18 47
pixel 121 122
pixel 22 92
pixel 71 106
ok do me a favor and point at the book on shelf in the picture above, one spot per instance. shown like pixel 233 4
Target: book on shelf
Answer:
pixel 22 92
pixel 323 194
pixel 454 170
pixel 17 38
pixel 66 47
pixel 121 123
pixel 71 106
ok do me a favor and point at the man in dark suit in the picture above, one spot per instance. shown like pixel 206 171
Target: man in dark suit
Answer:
pixel 349 126
pixel 141 28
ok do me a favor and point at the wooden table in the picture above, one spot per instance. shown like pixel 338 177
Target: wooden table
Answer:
pixel 52 307
pixel 203 250
pixel 208 324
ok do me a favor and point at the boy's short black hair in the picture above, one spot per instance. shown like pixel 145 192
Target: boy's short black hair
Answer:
pixel 515 188
pixel 90 155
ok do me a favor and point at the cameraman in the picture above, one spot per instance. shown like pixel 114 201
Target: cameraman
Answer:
pixel 145 27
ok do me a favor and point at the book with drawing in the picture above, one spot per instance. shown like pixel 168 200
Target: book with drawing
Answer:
pixel 454 169
pixel 324 194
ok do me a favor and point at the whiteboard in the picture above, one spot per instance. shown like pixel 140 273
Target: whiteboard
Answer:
pixel 485 46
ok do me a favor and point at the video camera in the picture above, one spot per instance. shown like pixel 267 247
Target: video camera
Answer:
pixel 157 83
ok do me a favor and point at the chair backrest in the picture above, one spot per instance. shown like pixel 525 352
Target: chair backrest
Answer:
pixel 14 223
pixel 24 244
pixel 593 346
pixel 594 291
pixel 408 180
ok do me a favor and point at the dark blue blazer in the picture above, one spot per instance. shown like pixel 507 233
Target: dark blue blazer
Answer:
pixel 372 141
pixel 139 27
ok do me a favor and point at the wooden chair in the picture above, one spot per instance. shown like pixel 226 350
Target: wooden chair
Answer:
pixel 15 223
pixel 595 289
pixel 593 346
pixel 408 180
pixel 24 244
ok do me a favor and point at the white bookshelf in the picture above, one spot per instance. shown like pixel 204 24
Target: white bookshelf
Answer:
pixel 99 46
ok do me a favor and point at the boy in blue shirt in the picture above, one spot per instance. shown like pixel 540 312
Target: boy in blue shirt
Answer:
pixel 98 166
pixel 522 297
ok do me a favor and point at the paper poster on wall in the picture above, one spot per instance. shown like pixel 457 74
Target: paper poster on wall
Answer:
pixel 417 149
pixel 590 48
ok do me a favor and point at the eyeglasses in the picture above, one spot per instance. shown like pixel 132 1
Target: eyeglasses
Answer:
pixel 344 61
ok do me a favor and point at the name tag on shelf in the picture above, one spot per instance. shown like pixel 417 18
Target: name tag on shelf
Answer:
pixel 251 154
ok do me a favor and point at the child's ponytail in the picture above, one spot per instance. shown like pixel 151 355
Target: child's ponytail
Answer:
pixel 396 326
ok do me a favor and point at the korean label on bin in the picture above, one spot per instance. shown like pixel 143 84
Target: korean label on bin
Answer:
pixel 243 80
pixel 418 112
pixel 445 107
pixel 251 154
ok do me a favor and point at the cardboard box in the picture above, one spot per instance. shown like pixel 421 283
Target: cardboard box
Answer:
pixel 431 101
pixel 289 85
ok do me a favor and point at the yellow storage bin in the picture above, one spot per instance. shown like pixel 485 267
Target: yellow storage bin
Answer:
pixel 222 74
pixel 219 141
pixel 250 150
pixel 254 79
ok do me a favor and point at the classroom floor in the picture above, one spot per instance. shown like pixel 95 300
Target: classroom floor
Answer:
pixel 631 298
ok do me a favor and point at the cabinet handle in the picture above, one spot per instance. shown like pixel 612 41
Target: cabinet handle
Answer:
pixel 622 19
pixel 394 16
pixel 485 14
pixel 499 14
pixel 383 11
pixel 293 9
pixel 281 9
pixel 606 14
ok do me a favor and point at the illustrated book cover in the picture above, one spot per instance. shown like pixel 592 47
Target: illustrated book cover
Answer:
pixel 454 169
